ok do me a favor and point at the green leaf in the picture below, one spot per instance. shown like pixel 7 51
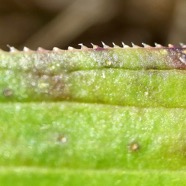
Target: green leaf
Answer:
pixel 97 116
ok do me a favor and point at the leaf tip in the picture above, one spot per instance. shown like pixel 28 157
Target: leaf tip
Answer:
pixel 104 45
pixel 83 47
pixel 124 45
pixel 146 45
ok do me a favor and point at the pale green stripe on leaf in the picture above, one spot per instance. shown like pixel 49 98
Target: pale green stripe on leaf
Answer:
pixel 73 135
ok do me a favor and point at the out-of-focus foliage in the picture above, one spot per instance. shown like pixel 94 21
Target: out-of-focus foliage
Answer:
pixel 60 23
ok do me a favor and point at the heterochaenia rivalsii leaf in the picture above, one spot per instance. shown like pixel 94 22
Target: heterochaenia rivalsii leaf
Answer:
pixel 101 116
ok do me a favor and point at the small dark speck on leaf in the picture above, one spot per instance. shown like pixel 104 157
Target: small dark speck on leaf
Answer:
pixel 61 139
pixel 7 92
pixel 133 147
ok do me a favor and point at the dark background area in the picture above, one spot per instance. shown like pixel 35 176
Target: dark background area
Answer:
pixel 63 23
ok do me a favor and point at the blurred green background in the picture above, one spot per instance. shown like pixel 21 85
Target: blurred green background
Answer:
pixel 62 23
